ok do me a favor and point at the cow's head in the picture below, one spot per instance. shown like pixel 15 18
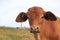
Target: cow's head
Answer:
pixel 34 15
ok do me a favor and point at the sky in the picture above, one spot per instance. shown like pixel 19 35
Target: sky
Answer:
pixel 9 9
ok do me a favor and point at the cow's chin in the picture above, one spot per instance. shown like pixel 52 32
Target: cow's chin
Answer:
pixel 34 29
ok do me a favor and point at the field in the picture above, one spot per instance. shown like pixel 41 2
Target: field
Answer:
pixel 7 33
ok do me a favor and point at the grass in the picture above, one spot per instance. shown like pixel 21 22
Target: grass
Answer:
pixel 15 34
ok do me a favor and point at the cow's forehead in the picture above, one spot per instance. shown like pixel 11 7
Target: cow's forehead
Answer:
pixel 35 8
pixel 36 11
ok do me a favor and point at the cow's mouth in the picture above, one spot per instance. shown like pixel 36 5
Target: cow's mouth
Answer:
pixel 35 30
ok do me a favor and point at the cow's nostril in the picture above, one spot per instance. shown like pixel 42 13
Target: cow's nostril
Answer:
pixel 37 28
pixel 31 28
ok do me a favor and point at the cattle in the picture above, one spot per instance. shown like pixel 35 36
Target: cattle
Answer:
pixel 43 24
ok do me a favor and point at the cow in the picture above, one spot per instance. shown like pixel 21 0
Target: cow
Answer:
pixel 43 24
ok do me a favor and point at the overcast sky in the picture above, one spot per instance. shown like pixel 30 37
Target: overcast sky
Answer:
pixel 9 9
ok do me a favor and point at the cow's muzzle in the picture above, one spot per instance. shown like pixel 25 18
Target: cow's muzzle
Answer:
pixel 34 30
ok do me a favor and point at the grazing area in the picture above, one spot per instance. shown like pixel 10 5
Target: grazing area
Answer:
pixel 7 33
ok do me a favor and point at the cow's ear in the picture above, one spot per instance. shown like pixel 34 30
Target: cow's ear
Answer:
pixel 49 16
pixel 22 17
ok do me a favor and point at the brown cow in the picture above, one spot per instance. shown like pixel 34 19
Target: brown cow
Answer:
pixel 44 25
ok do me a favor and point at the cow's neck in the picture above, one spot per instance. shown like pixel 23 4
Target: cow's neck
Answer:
pixel 37 36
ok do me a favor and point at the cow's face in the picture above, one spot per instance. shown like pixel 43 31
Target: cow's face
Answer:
pixel 34 15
